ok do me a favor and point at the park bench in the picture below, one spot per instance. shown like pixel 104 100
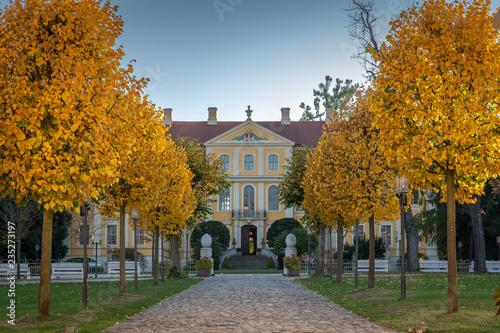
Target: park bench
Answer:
pixel 67 268
pixel 114 267
pixel 434 266
pixel 380 265
pixel 491 266
pixel 6 271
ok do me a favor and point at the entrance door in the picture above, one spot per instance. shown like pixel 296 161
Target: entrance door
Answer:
pixel 248 239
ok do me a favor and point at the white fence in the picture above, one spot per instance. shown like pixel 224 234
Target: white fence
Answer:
pixel 463 266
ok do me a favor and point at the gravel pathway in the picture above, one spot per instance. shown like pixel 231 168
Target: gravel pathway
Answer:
pixel 246 303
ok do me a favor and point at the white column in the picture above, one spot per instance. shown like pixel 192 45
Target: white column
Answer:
pixel 236 161
pixel 289 212
pixel 236 196
pixel 261 162
pixel 262 194
pixel 260 232
pixel 237 233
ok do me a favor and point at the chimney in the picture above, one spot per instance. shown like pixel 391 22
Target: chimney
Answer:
pixel 212 116
pixel 285 116
pixel 329 115
pixel 167 117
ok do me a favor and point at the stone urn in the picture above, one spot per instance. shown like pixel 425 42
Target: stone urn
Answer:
pixel 292 272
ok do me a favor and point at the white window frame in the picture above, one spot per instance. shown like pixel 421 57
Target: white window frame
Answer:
pixel 268 201
pixel 269 162
pixel 219 201
pixel 390 236
pixel 243 197
pixel 107 234
pixel 228 162
pixel 245 163
pixel 139 231
pixel 80 234
pixel 360 235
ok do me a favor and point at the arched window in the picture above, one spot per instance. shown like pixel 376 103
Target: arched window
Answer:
pixel 248 162
pixel 225 161
pixel 225 199
pixel 272 198
pixel 272 162
pixel 248 201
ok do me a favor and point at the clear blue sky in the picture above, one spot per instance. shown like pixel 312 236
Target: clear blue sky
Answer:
pixel 233 53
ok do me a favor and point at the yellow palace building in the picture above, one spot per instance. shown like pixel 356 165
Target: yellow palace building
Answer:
pixel 254 154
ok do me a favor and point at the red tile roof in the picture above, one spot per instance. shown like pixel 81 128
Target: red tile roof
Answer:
pixel 303 133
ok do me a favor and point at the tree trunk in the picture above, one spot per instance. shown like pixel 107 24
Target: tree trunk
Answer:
pixel 451 242
pixel 157 241
pixel 320 250
pixel 478 236
pixel 153 249
pixel 412 241
pixel 18 259
pixel 371 256
pixel 121 287
pixel 175 256
pixel 340 253
pixel 46 269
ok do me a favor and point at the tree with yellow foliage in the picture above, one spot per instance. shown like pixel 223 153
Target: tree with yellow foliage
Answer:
pixel 62 89
pixel 145 155
pixel 436 103
pixel 168 202
pixel 348 176
pixel 209 179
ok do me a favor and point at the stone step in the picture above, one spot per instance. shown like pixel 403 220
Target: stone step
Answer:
pixel 247 262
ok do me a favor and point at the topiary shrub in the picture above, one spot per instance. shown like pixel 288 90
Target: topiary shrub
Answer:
pixel 220 239
pixel 225 263
pixel 280 226
pixel 271 263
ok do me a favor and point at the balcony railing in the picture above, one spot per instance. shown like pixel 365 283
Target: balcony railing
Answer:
pixel 249 213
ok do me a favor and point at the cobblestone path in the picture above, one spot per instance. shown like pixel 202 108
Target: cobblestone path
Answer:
pixel 246 303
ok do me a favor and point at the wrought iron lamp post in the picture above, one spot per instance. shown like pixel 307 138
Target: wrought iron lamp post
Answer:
pixel 84 209
pixel 135 217
pixel 308 252
pixel 187 252
pixel 402 189
pixel 95 243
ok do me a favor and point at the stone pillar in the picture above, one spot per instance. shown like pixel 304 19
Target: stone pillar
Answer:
pixel 206 250
pixel 290 248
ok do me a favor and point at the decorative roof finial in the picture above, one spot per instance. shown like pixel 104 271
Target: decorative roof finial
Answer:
pixel 249 113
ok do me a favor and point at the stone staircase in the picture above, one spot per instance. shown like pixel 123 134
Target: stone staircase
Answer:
pixel 247 262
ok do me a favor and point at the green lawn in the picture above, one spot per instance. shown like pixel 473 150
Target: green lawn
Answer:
pixel 105 307
pixel 425 304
